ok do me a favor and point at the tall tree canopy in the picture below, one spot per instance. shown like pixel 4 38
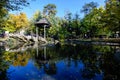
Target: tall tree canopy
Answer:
pixel 50 9
pixel 88 7
pixel 112 15
pixel 13 4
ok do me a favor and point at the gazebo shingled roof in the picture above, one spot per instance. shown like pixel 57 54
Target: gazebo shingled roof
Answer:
pixel 41 22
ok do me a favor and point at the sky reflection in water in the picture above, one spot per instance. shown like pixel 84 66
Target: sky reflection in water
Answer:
pixel 68 62
pixel 64 72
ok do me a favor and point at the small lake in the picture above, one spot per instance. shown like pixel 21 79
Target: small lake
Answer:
pixel 65 62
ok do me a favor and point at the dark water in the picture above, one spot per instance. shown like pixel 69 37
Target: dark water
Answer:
pixel 66 62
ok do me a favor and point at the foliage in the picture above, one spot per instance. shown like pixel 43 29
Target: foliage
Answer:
pixel 101 21
pixel 111 15
pixel 88 7
pixel 55 25
pixel 50 9
pixel 3 17
pixel 16 22
pixel 96 22
pixel 12 4
pixel 21 59
pixel 8 5
pixel 36 17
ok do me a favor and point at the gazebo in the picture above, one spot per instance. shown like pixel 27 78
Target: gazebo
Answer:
pixel 43 23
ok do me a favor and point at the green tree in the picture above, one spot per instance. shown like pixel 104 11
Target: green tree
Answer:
pixel 49 12
pixel 3 17
pixel 69 27
pixel 12 4
pixel 88 7
pixel 111 15
pixel 55 26
pixel 76 24
pixel 50 9
pixel 36 17
pixel 63 33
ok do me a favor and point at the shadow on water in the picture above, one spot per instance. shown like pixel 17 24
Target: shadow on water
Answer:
pixel 60 62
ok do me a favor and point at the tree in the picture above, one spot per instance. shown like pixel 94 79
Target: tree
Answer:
pixel 49 12
pixel 88 7
pixel 111 15
pixel 3 17
pixel 88 10
pixel 69 27
pixel 50 9
pixel 36 17
pixel 8 5
pixel 13 4
pixel 76 24
pixel 55 26
pixel 63 33
pixel 16 22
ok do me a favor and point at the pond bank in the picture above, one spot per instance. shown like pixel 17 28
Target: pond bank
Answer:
pixel 95 41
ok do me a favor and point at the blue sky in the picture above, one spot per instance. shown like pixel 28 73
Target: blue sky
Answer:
pixel 62 6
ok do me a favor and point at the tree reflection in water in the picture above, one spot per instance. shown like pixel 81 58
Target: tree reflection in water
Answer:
pixel 59 62
pixel 3 65
pixel 50 68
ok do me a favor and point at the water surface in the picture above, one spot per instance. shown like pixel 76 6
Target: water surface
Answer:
pixel 66 62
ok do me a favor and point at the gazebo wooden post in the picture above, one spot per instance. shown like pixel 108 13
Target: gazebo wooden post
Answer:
pixel 44 31
pixel 45 52
pixel 37 34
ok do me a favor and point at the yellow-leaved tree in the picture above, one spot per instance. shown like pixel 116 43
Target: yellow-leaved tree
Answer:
pixel 16 22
